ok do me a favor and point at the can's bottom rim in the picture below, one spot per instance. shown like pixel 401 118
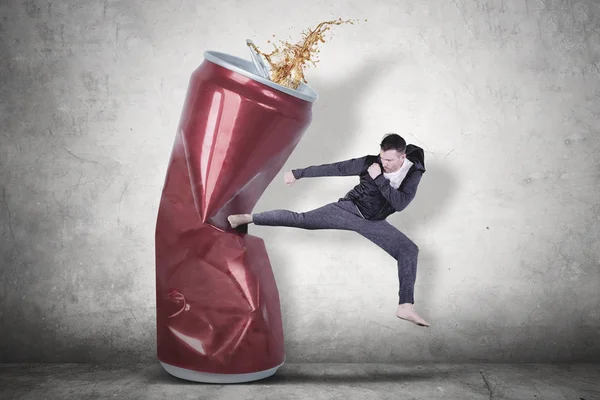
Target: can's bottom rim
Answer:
pixel 248 69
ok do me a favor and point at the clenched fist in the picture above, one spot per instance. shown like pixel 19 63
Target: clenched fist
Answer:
pixel 289 178
pixel 374 170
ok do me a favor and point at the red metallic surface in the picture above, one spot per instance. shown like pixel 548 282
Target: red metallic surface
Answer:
pixel 217 301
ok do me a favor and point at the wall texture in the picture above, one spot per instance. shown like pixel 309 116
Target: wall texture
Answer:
pixel 504 99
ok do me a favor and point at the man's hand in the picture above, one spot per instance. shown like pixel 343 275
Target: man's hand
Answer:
pixel 289 178
pixel 374 170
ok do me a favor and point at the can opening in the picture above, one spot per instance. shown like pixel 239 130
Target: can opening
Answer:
pixel 247 68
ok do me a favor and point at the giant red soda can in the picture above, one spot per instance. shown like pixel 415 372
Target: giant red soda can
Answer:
pixel 217 304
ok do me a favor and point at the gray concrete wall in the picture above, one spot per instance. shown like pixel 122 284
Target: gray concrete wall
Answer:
pixel 502 95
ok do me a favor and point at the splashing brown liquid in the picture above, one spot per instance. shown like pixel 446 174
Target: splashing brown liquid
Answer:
pixel 288 63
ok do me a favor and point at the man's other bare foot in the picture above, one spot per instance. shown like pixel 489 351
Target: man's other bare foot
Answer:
pixel 236 220
pixel 406 311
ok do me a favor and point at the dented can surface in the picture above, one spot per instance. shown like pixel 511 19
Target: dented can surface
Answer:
pixel 217 304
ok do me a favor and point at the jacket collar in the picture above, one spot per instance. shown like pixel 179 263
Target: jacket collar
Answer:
pixel 416 155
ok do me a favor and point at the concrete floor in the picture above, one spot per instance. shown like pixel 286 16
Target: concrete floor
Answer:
pixel 309 381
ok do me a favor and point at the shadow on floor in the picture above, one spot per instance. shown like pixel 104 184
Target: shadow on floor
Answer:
pixel 156 374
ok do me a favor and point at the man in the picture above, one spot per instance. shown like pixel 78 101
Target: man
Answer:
pixel 388 183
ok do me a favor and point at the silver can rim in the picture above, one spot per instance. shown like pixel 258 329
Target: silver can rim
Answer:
pixel 247 68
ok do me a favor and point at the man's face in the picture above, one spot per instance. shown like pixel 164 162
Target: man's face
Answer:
pixel 391 160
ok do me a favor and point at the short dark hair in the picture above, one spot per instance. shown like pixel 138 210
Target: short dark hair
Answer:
pixel 393 141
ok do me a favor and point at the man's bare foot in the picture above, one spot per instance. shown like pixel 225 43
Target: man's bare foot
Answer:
pixel 236 220
pixel 406 311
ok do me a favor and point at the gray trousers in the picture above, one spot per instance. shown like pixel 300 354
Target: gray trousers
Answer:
pixel 344 215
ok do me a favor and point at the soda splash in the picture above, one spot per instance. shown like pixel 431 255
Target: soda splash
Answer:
pixel 288 62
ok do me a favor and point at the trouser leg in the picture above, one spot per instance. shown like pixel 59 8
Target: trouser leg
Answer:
pixel 399 246
pixel 337 215
pixel 343 215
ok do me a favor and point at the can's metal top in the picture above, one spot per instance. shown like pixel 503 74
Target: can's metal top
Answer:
pixel 248 69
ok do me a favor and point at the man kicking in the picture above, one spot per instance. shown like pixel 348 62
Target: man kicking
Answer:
pixel 388 183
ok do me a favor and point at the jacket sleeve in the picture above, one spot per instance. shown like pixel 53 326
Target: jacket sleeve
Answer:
pixel 350 167
pixel 401 197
